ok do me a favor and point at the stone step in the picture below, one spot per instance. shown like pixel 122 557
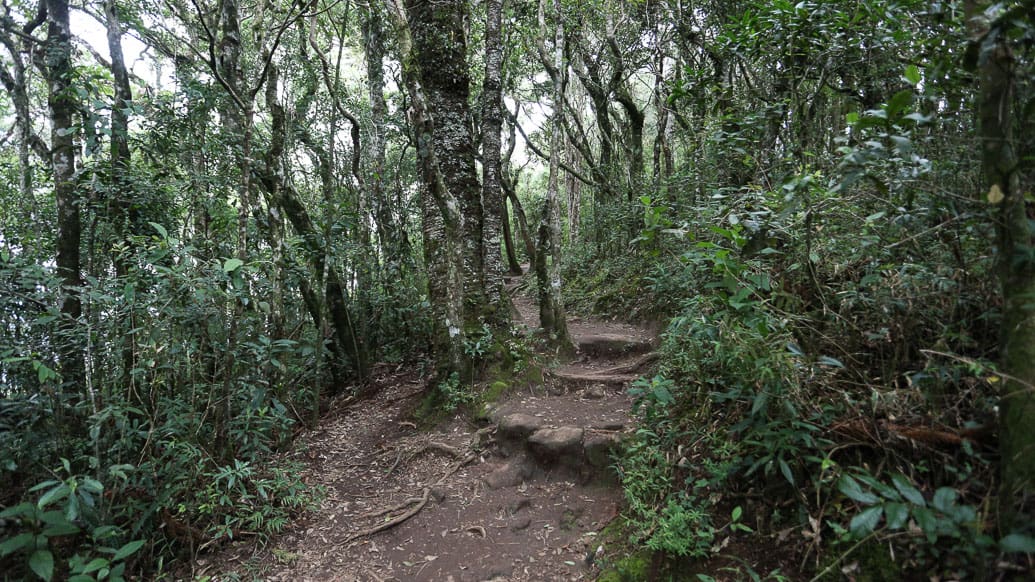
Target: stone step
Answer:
pixel 576 378
pixel 609 344
pixel 533 449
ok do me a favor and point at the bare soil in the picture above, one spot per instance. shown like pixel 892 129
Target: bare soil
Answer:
pixel 462 502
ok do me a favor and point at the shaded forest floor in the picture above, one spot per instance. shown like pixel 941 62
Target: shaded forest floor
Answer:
pixel 524 495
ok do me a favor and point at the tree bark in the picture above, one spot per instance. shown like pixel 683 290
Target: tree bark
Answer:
pixel 492 194
pixel 440 51
pixel 374 52
pixel 69 225
pixel 513 264
pixel 441 213
pixel 120 196
pixel 1016 243
pixel 552 315
pixel 120 153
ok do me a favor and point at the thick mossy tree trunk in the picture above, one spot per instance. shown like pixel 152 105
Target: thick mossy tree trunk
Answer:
pixel 1016 241
pixel 497 312
pixel 440 210
pixel 440 55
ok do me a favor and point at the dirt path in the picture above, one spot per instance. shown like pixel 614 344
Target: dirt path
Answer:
pixel 521 499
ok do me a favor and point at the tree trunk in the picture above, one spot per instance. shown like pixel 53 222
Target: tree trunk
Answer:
pixel 1016 243
pixel 69 226
pixel 374 52
pixel 440 51
pixel 513 265
pixel 492 194
pixel 16 84
pixel 442 218
pixel 552 315
pixel 574 189
pixel 519 213
pixel 121 203
pixel 507 182
pixel 120 198
pixel 345 344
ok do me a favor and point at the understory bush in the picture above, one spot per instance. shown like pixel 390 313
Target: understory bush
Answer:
pixel 172 452
pixel 845 376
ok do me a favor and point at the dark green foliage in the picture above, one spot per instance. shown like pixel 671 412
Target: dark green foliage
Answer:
pixel 823 267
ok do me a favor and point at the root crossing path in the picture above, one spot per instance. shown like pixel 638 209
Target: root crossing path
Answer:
pixel 524 497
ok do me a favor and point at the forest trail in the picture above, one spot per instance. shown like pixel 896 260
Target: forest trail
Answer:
pixel 524 497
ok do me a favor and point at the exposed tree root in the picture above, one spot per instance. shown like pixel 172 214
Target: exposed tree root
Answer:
pixel 418 502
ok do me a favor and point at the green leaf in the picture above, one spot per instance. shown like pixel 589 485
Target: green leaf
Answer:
pixel 22 509
pixel 905 487
pixel 127 550
pixel 11 545
pixel 1017 543
pixel 786 470
pixel 912 74
pixel 61 529
pixel 899 101
pixel 902 144
pixel 897 514
pixel 737 512
pixel 927 522
pixel 160 230
pixel 94 565
pixel 760 403
pixel 864 523
pixel 850 487
pixel 944 499
pixel 879 488
pixel 56 494
pixel 42 563
pixel 662 395
pixel 231 265
pixel 54 517
pixel 92 485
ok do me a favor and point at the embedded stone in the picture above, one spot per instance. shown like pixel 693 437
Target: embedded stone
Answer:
pixel 509 475
pixel 553 443
pixel 518 426
pixel 598 449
